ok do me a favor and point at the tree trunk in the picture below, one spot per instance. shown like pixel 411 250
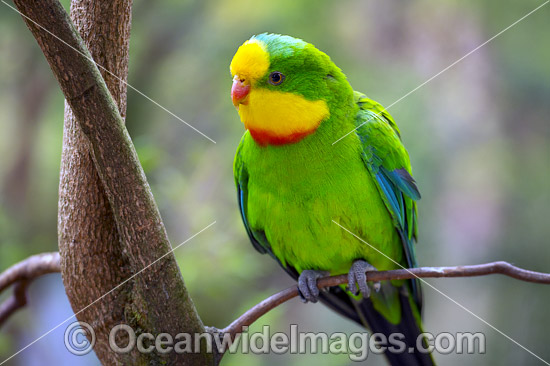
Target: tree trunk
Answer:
pixel 109 225
pixel 92 260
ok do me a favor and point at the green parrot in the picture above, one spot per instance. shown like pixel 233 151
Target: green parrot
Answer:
pixel 293 181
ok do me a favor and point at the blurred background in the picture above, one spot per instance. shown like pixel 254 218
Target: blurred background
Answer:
pixel 478 136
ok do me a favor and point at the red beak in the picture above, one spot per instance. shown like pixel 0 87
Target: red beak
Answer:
pixel 239 91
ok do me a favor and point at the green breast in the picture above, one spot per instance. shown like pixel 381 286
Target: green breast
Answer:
pixel 296 190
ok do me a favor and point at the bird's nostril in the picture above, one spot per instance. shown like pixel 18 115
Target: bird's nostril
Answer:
pixel 242 80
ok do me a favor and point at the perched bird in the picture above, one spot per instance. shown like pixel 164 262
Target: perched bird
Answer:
pixel 293 181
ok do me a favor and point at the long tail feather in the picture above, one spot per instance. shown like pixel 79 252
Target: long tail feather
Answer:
pixel 408 327
pixel 364 313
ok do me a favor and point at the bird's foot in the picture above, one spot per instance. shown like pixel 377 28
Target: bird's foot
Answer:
pixel 307 284
pixel 357 278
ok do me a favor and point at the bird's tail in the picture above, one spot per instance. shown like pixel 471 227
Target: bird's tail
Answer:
pixel 405 344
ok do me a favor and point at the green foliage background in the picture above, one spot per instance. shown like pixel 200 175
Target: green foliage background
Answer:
pixel 478 136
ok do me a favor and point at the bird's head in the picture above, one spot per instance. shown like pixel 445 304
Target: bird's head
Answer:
pixel 283 87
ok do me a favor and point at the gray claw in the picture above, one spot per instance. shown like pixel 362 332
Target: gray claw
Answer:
pixel 358 279
pixel 307 285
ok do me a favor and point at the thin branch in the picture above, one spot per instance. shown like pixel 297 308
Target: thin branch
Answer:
pixel 15 302
pixel 30 268
pixel 21 275
pixel 277 299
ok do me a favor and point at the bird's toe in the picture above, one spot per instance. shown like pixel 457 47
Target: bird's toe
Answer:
pixel 357 278
pixel 307 285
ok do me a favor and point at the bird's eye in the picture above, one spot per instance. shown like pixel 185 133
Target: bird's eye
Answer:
pixel 276 78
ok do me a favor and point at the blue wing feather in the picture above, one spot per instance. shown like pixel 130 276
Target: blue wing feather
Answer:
pixel 404 181
pixel 389 191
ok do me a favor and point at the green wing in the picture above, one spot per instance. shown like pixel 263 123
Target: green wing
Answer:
pixel 257 238
pixel 388 163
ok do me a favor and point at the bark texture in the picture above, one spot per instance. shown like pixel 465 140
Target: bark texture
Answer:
pixel 108 223
pixel 87 230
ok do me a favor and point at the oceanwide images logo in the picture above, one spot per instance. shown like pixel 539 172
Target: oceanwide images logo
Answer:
pixel 80 339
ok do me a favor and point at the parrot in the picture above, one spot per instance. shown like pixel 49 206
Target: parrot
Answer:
pixel 299 183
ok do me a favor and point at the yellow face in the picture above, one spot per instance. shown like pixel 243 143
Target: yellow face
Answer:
pixel 272 117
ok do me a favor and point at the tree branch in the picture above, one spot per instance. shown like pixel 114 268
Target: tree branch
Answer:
pixel 24 272
pixel 21 275
pixel 277 299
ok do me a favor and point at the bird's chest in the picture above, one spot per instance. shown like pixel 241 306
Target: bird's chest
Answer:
pixel 294 202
